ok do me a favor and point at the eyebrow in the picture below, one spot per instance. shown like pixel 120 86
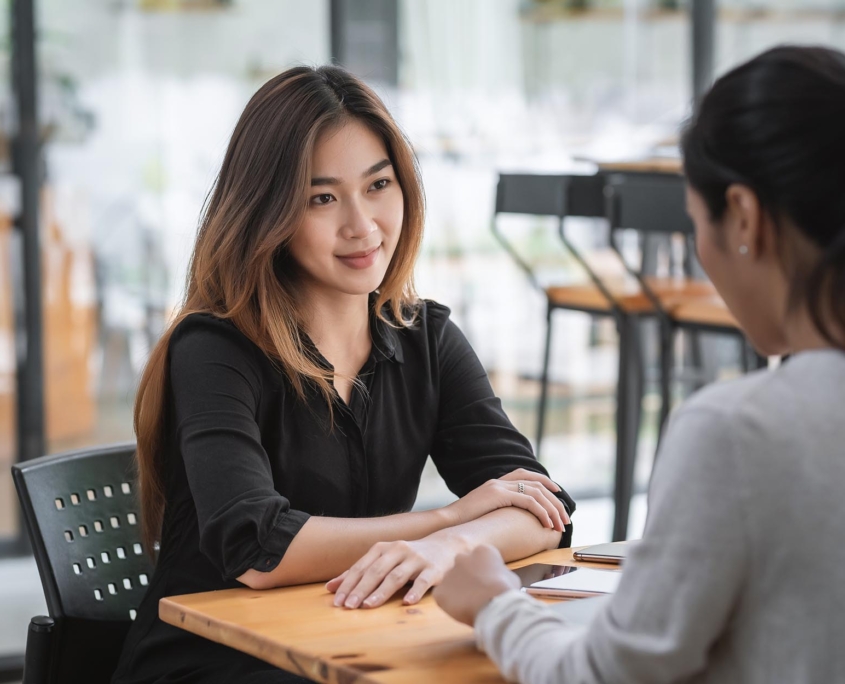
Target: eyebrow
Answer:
pixel 331 180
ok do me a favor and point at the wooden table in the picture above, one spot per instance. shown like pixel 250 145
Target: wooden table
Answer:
pixel 298 629
pixel 670 165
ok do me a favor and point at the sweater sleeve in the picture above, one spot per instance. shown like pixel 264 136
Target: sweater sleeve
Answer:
pixel 244 522
pixel 678 589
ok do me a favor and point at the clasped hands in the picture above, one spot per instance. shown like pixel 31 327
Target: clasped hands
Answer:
pixel 389 566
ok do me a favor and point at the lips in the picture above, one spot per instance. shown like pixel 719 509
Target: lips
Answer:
pixel 361 259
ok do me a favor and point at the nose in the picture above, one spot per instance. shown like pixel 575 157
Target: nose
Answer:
pixel 357 223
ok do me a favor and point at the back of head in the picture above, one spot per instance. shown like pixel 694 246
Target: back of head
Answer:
pixel 776 124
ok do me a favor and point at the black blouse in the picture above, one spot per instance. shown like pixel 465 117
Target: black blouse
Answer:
pixel 248 462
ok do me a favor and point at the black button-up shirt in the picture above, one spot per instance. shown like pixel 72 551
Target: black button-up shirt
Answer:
pixel 248 462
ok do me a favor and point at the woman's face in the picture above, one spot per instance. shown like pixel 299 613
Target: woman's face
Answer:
pixel 354 215
pixel 740 257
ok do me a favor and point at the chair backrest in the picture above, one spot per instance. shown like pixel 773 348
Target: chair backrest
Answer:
pixel 649 203
pixel 83 520
pixel 84 523
pixel 553 195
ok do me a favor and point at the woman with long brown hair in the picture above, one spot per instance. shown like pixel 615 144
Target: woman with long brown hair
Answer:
pixel 284 418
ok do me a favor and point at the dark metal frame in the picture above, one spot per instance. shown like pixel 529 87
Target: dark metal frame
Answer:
pixel 703 27
pixel 26 163
pixel 25 151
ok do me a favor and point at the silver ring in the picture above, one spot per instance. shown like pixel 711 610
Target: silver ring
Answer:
pixel 520 487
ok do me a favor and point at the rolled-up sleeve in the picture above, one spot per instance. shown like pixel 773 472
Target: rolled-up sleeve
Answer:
pixel 244 522
pixel 475 441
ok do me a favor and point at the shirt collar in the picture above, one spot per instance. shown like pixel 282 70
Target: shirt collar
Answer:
pixel 386 343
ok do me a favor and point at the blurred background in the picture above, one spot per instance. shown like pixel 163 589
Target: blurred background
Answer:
pixel 136 100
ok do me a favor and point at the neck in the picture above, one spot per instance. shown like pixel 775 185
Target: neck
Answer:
pixel 337 322
pixel 803 335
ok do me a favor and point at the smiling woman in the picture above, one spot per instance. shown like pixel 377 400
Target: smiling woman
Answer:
pixel 285 417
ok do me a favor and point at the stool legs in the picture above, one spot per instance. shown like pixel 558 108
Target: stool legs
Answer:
pixel 666 370
pixel 629 392
pixel 544 383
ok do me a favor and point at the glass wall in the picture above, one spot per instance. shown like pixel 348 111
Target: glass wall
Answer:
pixel 138 98
pixel 138 101
pixel 9 526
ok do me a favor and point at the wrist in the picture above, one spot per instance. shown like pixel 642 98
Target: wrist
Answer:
pixel 454 539
pixel 449 516
pixel 441 518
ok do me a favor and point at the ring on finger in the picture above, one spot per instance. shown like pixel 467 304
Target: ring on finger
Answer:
pixel 520 487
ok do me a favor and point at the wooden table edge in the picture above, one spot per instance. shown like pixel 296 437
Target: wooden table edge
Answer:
pixel 293 659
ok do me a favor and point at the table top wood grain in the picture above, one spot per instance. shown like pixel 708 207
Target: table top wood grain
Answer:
pixel 668 165
pixel 299 630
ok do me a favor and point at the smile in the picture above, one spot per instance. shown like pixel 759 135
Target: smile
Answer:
pixel 360 260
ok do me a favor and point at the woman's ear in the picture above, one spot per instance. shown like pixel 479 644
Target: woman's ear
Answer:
pixel 744 222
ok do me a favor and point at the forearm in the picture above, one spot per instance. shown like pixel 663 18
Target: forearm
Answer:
pixel 513 531
pixel 326 547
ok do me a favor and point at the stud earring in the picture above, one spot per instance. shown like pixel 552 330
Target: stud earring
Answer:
pixel 743 249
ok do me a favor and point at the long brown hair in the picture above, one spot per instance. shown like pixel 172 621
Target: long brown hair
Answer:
pixel 239 269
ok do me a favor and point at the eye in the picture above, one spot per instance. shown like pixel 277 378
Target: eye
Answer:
pixel 381 184
pixel 325 198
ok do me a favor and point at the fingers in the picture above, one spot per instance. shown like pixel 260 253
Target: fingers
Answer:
pixel 422 584
pixel 545 486
pixel 558 509
pixel 530 475
pixel 333 584
pixel 393 582
pixel 352 577
pixel 534 505
pixel 377 576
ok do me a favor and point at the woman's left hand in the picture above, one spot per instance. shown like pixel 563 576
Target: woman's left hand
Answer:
pixel 388 566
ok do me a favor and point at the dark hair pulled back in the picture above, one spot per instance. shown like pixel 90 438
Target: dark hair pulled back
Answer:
pixel 776 124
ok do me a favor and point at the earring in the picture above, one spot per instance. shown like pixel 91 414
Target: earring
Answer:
pixel 743 249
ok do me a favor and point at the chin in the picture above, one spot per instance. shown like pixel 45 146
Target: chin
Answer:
pixel 362 286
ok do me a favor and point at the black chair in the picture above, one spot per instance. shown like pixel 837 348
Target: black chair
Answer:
pixel 654 205
pixel 562 196
pixel 82 516
pixel 558 196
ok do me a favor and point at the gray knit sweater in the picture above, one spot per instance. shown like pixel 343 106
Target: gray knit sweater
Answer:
pixel 740 576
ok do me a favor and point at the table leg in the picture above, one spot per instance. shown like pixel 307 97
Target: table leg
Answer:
pixel 544 382
pixel 628 411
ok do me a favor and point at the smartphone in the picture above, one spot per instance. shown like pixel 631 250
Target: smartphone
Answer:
pixel 567 581
pixel 613 553
pixel 529 574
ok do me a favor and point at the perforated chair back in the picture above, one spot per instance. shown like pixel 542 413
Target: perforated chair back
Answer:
pixel 83 519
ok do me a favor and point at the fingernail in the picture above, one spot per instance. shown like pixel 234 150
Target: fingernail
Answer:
pixel 410 598
pixel 372 599
pixel 339 599
pixel 551 524
pixel 352 602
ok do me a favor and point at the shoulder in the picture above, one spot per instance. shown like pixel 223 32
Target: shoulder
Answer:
pixel 433 328
pixel 728 398
pixel 201 338
pixel 743 417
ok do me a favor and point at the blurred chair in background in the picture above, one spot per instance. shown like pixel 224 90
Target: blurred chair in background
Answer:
pixel 655 206
pixel 620 298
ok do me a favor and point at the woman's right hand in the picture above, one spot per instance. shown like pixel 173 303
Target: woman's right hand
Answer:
pixel 537 498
